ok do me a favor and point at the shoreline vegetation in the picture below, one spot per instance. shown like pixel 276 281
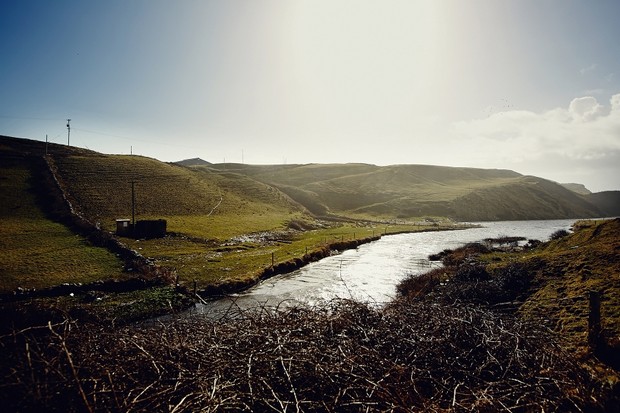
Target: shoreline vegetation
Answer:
pixel 493 329
pixel 284 267
pixel 151 277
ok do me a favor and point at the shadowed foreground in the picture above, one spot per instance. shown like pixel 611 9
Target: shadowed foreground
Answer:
pixel 344 357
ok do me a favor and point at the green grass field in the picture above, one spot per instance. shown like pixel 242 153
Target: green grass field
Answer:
pixel 37 252
pixel 193 202
pixel 245 257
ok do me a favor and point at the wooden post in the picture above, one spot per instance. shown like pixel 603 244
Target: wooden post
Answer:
pixel 194 287
pixel 273 258
pixel 133 206
pixel 306 250
pixel 594 320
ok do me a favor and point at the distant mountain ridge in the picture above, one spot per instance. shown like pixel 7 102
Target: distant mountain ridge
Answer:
pixel 193 162
pixel 407 191
pixel 100 185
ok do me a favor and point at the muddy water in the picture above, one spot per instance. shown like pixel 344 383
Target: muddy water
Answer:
pixel 371 272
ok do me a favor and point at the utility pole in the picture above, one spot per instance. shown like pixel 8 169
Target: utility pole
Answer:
pixel 68 132
pixel 133 205
pixel 46 144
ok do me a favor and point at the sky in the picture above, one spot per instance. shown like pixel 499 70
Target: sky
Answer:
pixel 527 85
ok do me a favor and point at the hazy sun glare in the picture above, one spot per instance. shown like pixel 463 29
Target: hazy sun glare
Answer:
pixel 524 85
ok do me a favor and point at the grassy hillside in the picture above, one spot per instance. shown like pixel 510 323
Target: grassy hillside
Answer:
pixel 526 197
pixel 38 252
pixel 35 251
pixel 408 191
pixel 225 221
pixel 566 269
pixel 195 203
pixel 223 226
pixel 607 201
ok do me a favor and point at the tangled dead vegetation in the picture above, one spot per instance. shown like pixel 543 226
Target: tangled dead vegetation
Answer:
pixel 347 356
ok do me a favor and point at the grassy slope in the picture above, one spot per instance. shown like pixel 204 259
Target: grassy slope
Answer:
pixel 584 261
pixel 204 208
pixel 407 191
pixel 547 286
pixel 209 205
pixel 607 201
pixel 208 212
pixel 553 281
pixel 197 204
pixel 35 251
pixel 527 197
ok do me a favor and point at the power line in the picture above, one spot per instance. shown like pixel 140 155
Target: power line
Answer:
pixel 28 118
pixel 176 145
pixel 106 134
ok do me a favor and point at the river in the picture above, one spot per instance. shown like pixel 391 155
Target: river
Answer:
pixel 370 272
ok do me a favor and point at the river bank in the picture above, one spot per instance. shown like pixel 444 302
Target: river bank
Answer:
pixel 370 272
pixel 431 352
pixel 153 290
pixel 328 249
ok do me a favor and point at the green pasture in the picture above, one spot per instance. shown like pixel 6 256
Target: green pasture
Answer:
pixel 36 252
pixel 243 258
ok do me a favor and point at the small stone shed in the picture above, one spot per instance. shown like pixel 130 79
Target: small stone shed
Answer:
pixel 146 228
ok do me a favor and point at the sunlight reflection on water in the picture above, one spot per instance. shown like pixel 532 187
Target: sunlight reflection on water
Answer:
pixel 371 272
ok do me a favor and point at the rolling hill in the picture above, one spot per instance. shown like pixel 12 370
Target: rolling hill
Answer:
pixel 194 202
pixel 193 162
pixel 606 201
pixel 36 251
pixel 222 200
pixel 408 191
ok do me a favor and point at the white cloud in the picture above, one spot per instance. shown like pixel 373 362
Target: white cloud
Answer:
pixel 580 143
pixel 615 104
pixel 585 108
